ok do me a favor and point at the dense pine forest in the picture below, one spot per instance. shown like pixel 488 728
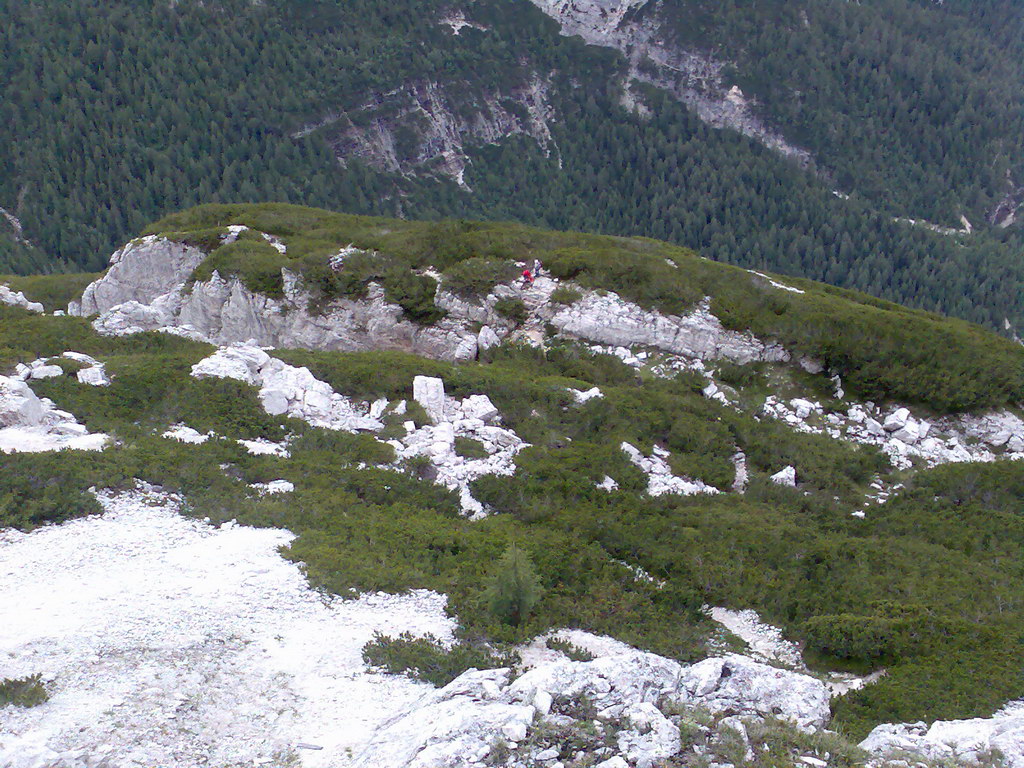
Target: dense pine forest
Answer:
pixel 114 113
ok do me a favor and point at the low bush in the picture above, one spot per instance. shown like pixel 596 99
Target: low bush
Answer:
pixel 468 448
pixel 23 692
pixel 511 308
pixel 573 652
pixel 414 294
pixel 426 658
pixel 563 294
pixel 475 277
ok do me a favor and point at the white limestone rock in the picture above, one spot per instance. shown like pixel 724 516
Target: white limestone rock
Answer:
pixel 960 741
pixel 17 299
pixel 582 396
pixel 428 391
pixel 140 271
pixel 41 370
pixel 477 407
pixel 660 479
pixel 608 319
pixel 785 476
pixel 29 424
pixel 736 685
pixel 285 389
pixel 96 376
pixel 487 338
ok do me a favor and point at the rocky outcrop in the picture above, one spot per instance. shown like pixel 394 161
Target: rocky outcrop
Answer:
pixel 17 299
pixel 30 424
pixel 660 479
pixel 964 742
pixel 224 311
pixel 287 390
pixel 695 77
pixel 141 271
pixel 427 125
pixel 630 693
pixel 607 319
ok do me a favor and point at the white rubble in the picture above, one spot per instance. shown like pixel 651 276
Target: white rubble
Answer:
pixel 94 373
pixel 965 742
pixel 785 476
pixel 273 487
pixel 904 437
pixel 169 642
pixel 29 424
pixel 185 434
pixel 764 641
pixel 581 396
pixel 262 447
pixel 608 484
pixel 17 299
pixel 474 417
pixel 287 390
pixel 660 479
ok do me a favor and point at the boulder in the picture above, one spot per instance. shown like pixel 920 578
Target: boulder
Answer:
pixel 487 338
pixel 17 299
pixel 786 476
pixel 95 376
pixel 44 371
pixel 478 407
pixel 428 391
pixel 896 420
pixel 19 406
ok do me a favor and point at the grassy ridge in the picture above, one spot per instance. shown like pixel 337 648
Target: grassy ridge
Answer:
pixel 882 350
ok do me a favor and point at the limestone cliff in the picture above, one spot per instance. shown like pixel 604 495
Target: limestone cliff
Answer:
pixel 146 288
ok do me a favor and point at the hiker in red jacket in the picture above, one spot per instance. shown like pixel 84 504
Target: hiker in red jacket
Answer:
pixel 527 278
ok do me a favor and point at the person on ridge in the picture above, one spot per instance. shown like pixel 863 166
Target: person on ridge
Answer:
pixel 527 278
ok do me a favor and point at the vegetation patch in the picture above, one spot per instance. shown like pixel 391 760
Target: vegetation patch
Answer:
pixel 23 691
pixel 428 659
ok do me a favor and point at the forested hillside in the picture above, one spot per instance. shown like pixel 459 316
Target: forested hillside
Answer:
pixel 115 113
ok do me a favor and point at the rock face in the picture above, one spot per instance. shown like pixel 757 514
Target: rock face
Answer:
pixel 692 76
pixel 609 320
pixel 145 289
pixel 962 741
pixel 460 724
pixel 141 271
pixel 425 124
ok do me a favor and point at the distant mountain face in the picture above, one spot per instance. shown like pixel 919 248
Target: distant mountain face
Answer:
pixel 876 146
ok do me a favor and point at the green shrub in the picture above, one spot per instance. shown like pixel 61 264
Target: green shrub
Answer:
pixel 468 448
pixel 426 658
pixel 515 588
pixel 23 692
pixel 414 294
pixel 512 309
pixel 475 277
pixel 250 258
pixel 572 651
pixel 563 294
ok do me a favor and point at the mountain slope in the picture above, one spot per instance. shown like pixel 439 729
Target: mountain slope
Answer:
pixel 483 109
pixel 700 461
